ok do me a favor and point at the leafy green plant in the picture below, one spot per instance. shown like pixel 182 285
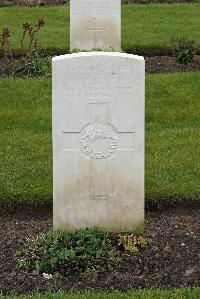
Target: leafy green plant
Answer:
pixel 36 66
pixel 183 49
pixel 82 251
pixel 132 243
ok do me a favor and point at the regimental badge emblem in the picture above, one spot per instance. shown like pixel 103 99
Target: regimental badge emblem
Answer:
pixel 98 141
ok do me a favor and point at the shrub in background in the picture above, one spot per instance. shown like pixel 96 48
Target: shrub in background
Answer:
pixel 183 49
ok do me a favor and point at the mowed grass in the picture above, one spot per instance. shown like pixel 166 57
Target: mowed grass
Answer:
pixel 144 27
pixel 172 138
pixel 187 293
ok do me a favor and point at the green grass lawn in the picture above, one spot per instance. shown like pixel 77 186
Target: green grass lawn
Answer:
pixel 172 144
pixel 187 293
pixel 143 26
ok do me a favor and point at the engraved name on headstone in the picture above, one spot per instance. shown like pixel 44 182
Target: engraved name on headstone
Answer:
pixel 98 141
pixel 95 24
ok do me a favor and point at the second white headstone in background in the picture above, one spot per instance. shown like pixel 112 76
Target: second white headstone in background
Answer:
pixel 95 24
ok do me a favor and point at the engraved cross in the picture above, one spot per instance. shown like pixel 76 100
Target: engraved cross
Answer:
pixel 96 29
pixel 107 143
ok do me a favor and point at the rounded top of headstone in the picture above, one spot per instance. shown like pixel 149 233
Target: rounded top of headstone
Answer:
pixel 97 53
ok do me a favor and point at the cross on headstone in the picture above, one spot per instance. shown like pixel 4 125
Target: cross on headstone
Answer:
pixel 108 140
pixel 96 30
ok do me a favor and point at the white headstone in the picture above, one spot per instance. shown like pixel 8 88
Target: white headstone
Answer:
pixel 98 141
pixel 95 24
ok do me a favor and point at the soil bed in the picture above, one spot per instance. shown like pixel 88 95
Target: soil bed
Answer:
pixel 61 2
pixel 168 64
pixel 170 260
pixel 156 64
pixel 32 2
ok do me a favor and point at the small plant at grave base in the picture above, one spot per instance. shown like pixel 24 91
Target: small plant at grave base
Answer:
pixel 83 251
pixel 32 34
pixel 36 65
pixel 132 243
pixel 103 50
pixel 183 49
pixel 76 50
pixel 5 36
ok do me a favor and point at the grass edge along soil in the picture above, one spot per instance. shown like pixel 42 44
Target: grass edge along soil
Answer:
pixel 183 293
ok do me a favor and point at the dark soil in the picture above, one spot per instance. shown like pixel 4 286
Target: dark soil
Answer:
pixel 31 2
pixel 156 64
pixel 172 258
pixel 61 2
pixel 168 64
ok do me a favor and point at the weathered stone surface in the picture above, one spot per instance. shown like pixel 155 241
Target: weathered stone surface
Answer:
pixel 98 141
pixel 95 24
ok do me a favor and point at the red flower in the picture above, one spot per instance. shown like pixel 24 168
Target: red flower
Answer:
pixel 40 23
pixel 5 33
pixel 27 27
